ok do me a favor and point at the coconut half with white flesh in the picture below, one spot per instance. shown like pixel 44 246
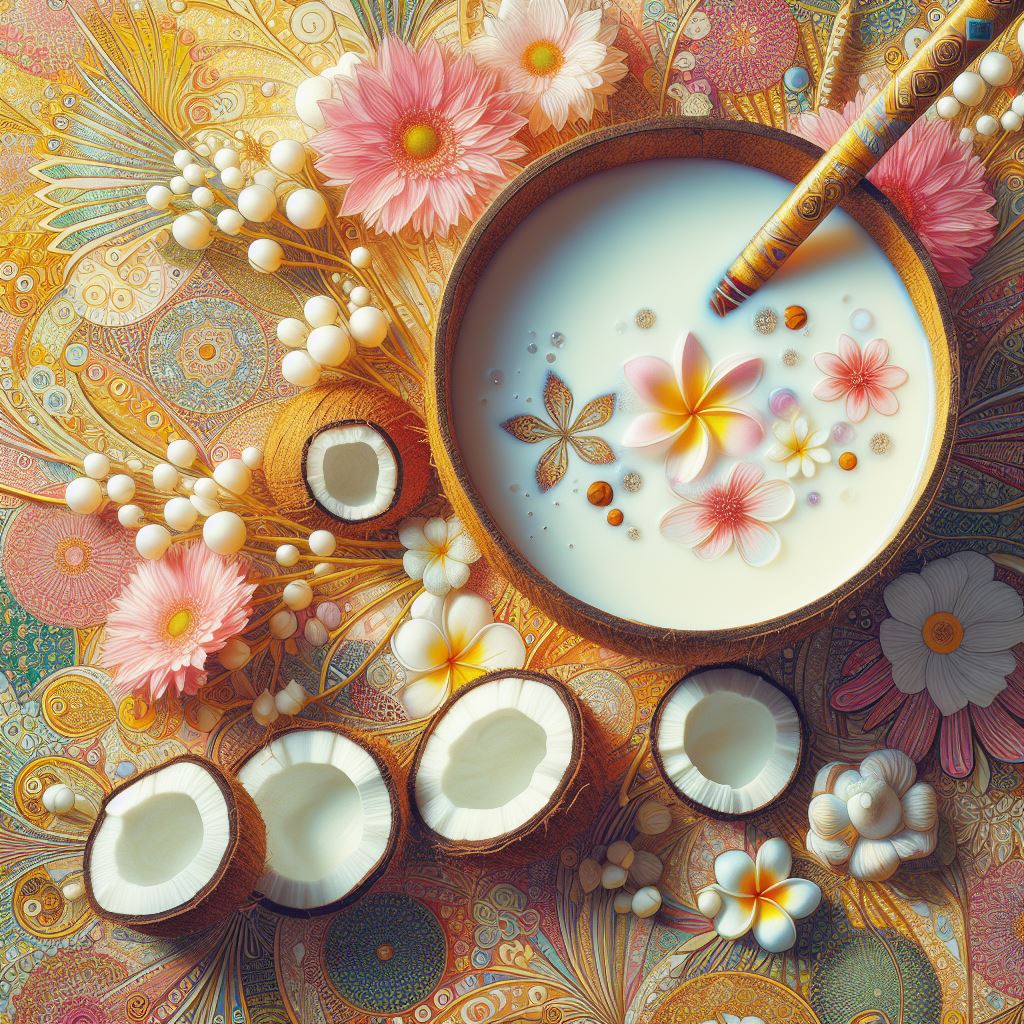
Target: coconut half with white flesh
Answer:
pixel 510 763
pixel 727 740
pixel 174 850
pixel 333 816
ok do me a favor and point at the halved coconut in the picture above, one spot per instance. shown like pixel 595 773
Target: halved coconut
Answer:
pixel 174 850
pixel 512 759
pixel 333 818
pixel 727 740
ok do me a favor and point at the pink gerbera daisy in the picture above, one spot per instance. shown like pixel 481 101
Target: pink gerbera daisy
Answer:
pixel 936 180
pixel 865 379
pixel 171 615
pixel 419 138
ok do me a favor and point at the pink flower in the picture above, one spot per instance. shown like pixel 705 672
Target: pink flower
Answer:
pixel 695 415
pixel 734 511
pixel 936 181
pixel 170 616
pixel 419 138
pixel 865 379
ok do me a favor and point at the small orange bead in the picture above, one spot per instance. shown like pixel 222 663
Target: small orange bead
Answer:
pixel 795 317
pixel 615 517
pixel 599 493
pixel 847 461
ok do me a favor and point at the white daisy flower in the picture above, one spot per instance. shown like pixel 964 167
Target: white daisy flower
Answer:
pixel 799 447
pixel 560 63
pixel 438 552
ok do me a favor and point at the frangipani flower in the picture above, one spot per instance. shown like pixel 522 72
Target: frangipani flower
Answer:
pixel 439 553
pixel 560 64
pixel 799 447
pixel 758 895
pixel 447 642
pixel 695 407
pixel 733 511
pixel 865 379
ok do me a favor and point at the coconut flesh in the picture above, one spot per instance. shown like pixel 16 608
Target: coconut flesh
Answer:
pixel 159 843
pixel 352 471
pixel 494 760
pixel 728 740
pixel 330 816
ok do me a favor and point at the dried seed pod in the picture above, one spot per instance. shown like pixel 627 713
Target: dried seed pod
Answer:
pixel 621 853
pixel 646 868
pixel 646 902
pixel 623 902
pixel 613 877
pixel 590 874
pixel 653 818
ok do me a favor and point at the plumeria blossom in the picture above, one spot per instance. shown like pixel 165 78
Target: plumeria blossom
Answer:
pixel 419 137
pixel 695 407
pixel 759 896
pixel 944 662
pixel 735 511
pixel 798 447
pixel 438 552
pixel 447 642
pixel 559 62
pixel 172 614
pixel 865 379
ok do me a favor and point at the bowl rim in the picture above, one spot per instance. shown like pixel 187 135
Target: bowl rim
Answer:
pixel 749 144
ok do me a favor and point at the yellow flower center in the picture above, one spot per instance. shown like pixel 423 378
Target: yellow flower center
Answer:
pixel 420 141
pixel 942 632
pixel 542 58
pixel 179 622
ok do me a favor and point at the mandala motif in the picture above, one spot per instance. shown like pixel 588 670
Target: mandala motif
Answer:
pixel 69 988
pixel 65 568
pixel 997 916
pixel 207 354
pixel 751 45
pixel 385 954
pixel 709 996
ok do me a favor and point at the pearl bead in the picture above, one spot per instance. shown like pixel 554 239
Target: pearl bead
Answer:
pixel 368 326
pixel 230 221
pixel 233 475
pixel 288 156
pixel 291 332
pixel 192 232
pixel 130 516
pixel 179 186
pixel 182 158
pixel 283 624
pixel 235 653
pixel 225 158
pixel 159 197
pixel 966 134
pixel 120 488
pixel 307 100
pixel 1017 106
pixel 83 495
pixel 202 197
pixel 265 255
pixel 300 369
pixel 252 457
pixel 320 310
pixel 257 203
pixel 182 453
pixel 322 568
pixel 359 296
pixel 224 533
pixel 969 88
pixel 297 595
pixel 986 125
pixel 948 107
pixel 180 514
pixel 204 506
pixel 96 465
pixel 322 543
pixel 232 177
pixel 361 257
pixel 194 174
pixel 306 208
pixel 165 477
pixel 287 555
pixel 1011 121
pixel 152 541
pixel 266 177
pixel 58 798
pixel 996 68
pixel 329 345
pixel 205 487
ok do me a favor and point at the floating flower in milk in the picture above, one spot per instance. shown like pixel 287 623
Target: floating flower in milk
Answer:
pixel 695 402
pixel 864 379
pixel 438 552
pixel 735 511
pixel 800 448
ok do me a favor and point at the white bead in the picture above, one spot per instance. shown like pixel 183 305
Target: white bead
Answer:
pixel 96 465
pixel 1017 106
pixel 264 710
pixel 322 568
pixel 1011 121
pixel 320 310
pixel 233 475
pixel 360 296
pixel 252 457
pixel 179 186
pixel 322 543
pixel 72 891
pixel 709 903
pixel 203 149
pixel 205 506
pixel 646 901
pixel 329 345
pixel 266 177
pixel 202 197
pixel 232 177
pixel 288 156
pixel 307 100
pixel 300 369
pixel 287 555
pixel 192 231
pixel 135 464
pixel 361 257
pixel 224 533
pixel 297 595
pixel 83 495
pixel 230 221
pixel 194 174
pixel 306 208
pixel 1020 41
pixel 265 255
pixel 996 68
pixel 130 516
pixel 986 125
pixel 182 453
pixel 180 514
pixel 285 705
pixel 152 541
pixel 58 798
pixel 969 88
pixel 257 203
pixel 966 134
pixel 165 477
pixel 283 624
pixel 205 487
pixel 948 107
pixel 225 158
pixel 120 488
pixel 159 197
pixel 182 158
pixel 369 326
pixel 235 653
pixel 292 332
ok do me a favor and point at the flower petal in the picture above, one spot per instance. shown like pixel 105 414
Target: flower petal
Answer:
pixel 465 614
pixel 909 599
pixel 1000 734
pixel 419 646
pixel 436 533
pixel 829 851
pixel 876 354
pixel 689 453
pixel 913 730
pixel 773 864
pixel 424 695
pixel 774 929
pixel 410 533
pixel 956 751
pixel 498 645
pixel 857 404
pixel 882 400
pixel 716 544
pixel 772 501
pixel 733 921
pixel 874 859
pixel 757 543
pixel 435 579
pixel 830 389
pixel 798 897
pixel 736 431
pixel 733 378
pixel 690 524
pixel 655 382
pixel 415 563
pixel 692 369
pixel 734 872
pixel 651 428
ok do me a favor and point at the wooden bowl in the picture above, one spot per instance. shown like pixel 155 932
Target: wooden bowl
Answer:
pixel 755 146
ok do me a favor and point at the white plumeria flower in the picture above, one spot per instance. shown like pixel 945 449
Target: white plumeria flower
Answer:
pixel 560 63
pixel 448 642
pixel 758 895
pixel 799 447
pixel 438 552
pixel 952 631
